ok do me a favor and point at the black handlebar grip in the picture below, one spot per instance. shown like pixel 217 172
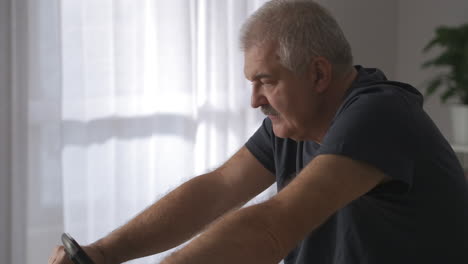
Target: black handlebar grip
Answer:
pixel 74 251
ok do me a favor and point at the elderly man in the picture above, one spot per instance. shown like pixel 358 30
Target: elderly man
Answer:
pixel 364 176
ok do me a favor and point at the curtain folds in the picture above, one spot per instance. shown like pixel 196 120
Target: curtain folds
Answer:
pixel 116 102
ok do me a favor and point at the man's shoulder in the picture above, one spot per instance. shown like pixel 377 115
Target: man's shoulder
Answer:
pixel 379 88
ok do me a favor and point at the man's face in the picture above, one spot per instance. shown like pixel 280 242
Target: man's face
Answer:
pixel 289 100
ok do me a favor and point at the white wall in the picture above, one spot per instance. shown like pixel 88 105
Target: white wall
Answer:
pixel 4 130
pixel 371 29
pixel 416 23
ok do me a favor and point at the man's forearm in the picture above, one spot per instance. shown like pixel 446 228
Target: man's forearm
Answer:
pixel 167 223
pixel 243 236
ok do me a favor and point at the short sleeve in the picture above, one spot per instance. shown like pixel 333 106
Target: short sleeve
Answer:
pixel 260 144
pixel 375 129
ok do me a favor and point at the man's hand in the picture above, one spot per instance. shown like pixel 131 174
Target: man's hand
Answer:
pixel 59 256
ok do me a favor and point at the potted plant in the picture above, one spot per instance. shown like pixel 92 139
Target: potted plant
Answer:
pixel 453 78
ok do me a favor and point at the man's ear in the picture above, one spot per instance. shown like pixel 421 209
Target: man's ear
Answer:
pixel 320 72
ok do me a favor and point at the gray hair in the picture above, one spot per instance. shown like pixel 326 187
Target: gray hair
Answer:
pixel 302 29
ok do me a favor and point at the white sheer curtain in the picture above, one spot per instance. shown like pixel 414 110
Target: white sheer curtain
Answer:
pixel 116 102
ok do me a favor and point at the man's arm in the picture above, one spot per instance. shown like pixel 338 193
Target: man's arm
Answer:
pixel 188 209
pixel 266 232
pixel 185 211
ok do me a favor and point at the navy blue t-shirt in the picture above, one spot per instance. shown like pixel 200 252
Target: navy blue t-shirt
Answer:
pixel 420 216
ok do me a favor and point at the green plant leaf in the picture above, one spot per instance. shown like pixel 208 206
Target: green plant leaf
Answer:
pixel 447 94
pixel 453 56
pixel 433 85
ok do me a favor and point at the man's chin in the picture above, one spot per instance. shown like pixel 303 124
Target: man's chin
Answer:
pixel 274 118
pixel 280 131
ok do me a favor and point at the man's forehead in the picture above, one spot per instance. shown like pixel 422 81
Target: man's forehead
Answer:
pixel 260 60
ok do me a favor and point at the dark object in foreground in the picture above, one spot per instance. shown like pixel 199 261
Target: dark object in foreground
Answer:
pixel 74 251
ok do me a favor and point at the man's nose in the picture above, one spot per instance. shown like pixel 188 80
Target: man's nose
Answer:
pixel 257 98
